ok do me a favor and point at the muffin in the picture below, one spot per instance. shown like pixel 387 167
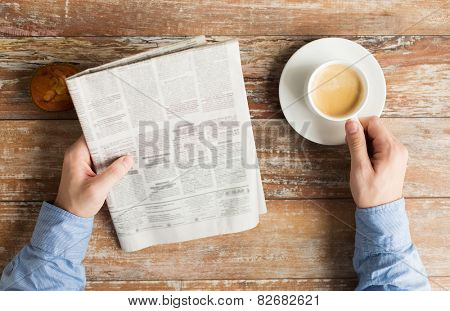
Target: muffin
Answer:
pixel 48 87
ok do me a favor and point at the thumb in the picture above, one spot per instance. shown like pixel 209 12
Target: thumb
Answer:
pixel 356 142
pixel 113 173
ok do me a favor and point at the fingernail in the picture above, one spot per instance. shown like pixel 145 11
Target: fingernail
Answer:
pixel 128 161
pixel 351 127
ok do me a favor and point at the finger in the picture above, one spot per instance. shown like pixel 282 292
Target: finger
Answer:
pixel 375 128
pixel 79 149
pixel 113 173
pixel 356 142
pixel 80 142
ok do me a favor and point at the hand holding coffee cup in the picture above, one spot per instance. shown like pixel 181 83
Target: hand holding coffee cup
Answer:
pixel 378 162
pixel 337 91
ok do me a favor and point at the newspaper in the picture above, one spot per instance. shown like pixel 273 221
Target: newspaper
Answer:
pixel 181 111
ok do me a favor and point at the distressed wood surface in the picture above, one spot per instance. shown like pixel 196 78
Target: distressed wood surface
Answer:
pixel 236 285
pixel 441 283
pixel 291 167
pixel 306 239
pixel 134 285
pixel 272 284
pixel 417 69
pixel 437 283
pixel 296 239
pixel 218 17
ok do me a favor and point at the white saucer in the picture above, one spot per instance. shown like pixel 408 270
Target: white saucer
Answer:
pixel 299 67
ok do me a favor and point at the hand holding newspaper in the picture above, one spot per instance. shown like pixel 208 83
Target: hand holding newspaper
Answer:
pixel 182 112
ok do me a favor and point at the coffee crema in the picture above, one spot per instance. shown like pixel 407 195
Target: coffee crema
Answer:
pixel 337 90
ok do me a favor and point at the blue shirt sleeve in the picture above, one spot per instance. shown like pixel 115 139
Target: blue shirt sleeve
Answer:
pixel 385 258
pixel 52 259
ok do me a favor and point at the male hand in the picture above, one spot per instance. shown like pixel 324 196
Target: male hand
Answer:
pixel 81 191
pixel 378 162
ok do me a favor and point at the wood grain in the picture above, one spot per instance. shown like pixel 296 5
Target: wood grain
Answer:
pixel 291 167
pixel 134 285
pixel 222 17
pixel 440 283
pixel 437 283
pixel 417 69
pixel 271 285
pixel 305 242
pixel 227 285
pixel 296 239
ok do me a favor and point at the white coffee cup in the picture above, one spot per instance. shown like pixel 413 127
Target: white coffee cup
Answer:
pixel 309 89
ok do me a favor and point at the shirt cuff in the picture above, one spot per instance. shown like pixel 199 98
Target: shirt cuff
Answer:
pixel 61 233
pixel 382 229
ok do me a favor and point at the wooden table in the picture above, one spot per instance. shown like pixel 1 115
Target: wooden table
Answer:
pixel 306 239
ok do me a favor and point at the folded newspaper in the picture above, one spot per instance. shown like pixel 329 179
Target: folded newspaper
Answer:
pixel 181 111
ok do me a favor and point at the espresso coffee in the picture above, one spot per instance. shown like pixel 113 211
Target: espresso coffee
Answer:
pixel 337 90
